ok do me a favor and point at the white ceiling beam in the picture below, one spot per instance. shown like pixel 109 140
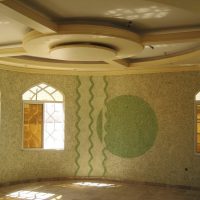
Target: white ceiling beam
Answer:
pixel 15 51
pixel 171 59
pixel 118 63
pixel 170 37
pixel 27 16
pixel 14 45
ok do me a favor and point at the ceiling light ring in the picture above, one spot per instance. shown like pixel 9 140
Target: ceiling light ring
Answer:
pixel 40 45
pixel 85 43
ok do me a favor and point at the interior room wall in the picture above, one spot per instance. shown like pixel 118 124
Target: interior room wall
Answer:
pixel 130 127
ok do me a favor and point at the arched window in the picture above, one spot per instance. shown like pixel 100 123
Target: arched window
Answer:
pixel 197 134
pixel 43 118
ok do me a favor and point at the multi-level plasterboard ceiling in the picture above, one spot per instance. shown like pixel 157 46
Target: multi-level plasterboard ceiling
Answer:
pixel 103 37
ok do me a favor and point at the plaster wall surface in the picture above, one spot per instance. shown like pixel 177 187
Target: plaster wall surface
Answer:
pixel 169 95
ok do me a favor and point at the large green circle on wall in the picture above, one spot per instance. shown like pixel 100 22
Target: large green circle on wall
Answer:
pixel 130 126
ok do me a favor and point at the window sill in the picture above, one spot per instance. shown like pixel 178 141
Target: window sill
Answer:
pixel 38 149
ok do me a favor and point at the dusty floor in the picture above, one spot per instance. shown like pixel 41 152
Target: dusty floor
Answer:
pixel 95 190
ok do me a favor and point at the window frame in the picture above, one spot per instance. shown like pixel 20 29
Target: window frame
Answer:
pixel 41 102
pixel 196 102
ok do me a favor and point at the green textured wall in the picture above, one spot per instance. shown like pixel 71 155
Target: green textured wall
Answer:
pixel 130 126
pixel 133 127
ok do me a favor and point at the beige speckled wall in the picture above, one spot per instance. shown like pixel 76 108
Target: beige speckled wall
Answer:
pixel 169 95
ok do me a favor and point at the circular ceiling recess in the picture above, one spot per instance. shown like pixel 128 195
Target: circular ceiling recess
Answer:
pixel 78 42
pixel 82 52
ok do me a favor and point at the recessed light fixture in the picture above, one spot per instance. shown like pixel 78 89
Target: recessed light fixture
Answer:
pixel 82 52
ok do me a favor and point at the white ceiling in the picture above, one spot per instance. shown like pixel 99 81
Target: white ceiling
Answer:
pixel 11 31
pixel 140 16
pixel 143 14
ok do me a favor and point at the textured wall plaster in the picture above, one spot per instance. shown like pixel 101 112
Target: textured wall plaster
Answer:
pixel 169 95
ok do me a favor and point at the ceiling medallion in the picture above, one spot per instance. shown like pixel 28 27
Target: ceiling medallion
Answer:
pixel 78 42
pixel 82 52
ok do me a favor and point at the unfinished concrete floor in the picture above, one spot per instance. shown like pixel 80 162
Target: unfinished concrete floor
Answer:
pixel 95 190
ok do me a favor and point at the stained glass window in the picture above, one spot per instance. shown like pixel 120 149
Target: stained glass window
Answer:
pixel 43 118
pixel 33 123
pixel 198 128
pixel 197 134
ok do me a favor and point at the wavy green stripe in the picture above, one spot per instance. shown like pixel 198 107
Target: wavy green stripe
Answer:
pixel 90 126
pixel 104 161
pixel 104 149
pixel 77 125
pixel 105 90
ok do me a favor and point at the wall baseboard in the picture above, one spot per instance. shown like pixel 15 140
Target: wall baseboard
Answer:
pixel 84 178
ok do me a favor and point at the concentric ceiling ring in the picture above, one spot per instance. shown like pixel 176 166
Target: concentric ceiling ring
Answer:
pixel 82 52
pixel 92 43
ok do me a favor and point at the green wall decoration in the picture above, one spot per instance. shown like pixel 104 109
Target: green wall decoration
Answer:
pixel 99 126
pixel 90 125
pixel 77 125
pixel 101 121
pixel 130 126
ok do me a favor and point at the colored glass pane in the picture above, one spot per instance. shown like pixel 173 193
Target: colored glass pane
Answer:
pixel 33 124
pixel 198 148
pixel 198 128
